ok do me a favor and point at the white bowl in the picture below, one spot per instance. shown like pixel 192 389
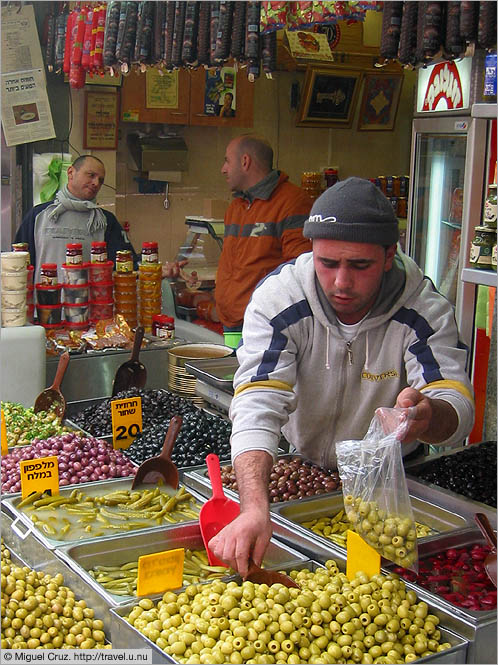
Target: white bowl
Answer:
pixel 14 281
pixel 14 299
pixel 14 261
pixel 13 318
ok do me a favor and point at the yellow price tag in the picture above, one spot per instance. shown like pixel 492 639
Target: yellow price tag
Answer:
pixel 5 445
pixel 160 571
pixel 39 475
pixel 361 557
pixel 126 421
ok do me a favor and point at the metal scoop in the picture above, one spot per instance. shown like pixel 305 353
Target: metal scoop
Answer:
pixel 219 511
pixel 51 399
pixel 489 534
pixel 161 466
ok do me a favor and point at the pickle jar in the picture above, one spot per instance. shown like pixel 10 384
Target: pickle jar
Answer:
pixel 124 261
pixel 481 249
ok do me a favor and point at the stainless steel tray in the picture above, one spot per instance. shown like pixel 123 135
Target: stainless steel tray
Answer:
pixel 117 551
pixel 29 553
pixel 218 372
pixel 125 636
pixel 197 478
pixel 24 526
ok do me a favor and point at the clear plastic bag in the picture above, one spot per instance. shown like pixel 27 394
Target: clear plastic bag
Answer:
pixel 374 486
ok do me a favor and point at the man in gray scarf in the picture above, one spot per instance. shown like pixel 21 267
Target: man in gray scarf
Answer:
pixel 73 216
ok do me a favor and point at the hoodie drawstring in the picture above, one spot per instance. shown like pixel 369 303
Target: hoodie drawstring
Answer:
pixel 327 364
pixel 366 352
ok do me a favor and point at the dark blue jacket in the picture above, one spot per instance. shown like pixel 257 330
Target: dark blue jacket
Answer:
pixel 115 236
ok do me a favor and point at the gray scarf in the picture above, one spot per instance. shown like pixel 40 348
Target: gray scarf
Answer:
pixel 65 202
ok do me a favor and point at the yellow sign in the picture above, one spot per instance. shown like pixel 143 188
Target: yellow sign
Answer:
pixel 161 89
pixel 160 571
pixel 39 475
pixel 361 557
pixel 126 421
pixel 5 446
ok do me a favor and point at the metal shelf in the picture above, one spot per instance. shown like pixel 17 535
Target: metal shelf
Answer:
pixel 476 276
pixel 484 110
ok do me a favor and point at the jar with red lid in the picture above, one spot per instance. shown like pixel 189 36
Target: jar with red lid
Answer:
pixel 98 252
pixel 163 326
pixel 74 253
pixel 48 273
pixel 124 261
pixel 150 252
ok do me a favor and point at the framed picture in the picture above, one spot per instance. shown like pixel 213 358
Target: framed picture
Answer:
pixel 380 100
pixel 101 120
pixel 329 97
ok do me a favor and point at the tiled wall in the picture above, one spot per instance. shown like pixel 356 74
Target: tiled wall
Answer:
pixel 297 149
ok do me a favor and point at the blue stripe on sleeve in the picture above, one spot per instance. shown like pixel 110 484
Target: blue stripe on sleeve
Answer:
pixel 282 321
pixel 420 349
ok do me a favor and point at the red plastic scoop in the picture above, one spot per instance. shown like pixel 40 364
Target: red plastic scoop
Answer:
pixel 218 511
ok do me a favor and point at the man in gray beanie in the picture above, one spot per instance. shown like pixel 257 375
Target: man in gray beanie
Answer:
pixel 329 338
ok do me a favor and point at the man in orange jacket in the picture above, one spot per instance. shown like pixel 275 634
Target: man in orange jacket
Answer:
pixel 263 225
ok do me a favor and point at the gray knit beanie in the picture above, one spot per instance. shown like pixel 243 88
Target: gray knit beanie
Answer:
pixel 354 210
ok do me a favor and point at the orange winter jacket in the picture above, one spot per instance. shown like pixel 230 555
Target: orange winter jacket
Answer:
pixel 263 228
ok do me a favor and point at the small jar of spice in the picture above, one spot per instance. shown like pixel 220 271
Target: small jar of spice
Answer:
pixel 74 253
pixel 163 326
pixel 150 252
pixel 98 252
pixel 48 274
pixel 481 249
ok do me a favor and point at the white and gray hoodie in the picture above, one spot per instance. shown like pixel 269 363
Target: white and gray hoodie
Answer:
pixel 299 376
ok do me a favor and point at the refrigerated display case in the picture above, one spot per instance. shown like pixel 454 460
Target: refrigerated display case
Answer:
pixel 453 157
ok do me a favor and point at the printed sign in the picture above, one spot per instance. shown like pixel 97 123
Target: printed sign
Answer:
pixel 444 87
pixel 39 475
pixel 126 417
pixel 361 557
pixel 5 448
pixel 161 89
pixel 160 571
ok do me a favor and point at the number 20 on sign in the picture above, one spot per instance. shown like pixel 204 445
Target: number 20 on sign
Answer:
pixel 126 421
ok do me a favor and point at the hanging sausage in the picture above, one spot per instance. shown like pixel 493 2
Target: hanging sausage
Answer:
pixel 60 39
pixel 176 51
pixel 126 34
pixel 111 33
pixel 454 44
pixel 49 39
pixel 203 33
pixel 391 28
pixel 252 40
pixel 87 40
pixel 213 30
pixel 157 39
pixel 189 46
pixel 408 34
pixel 224 33
pixel 269 53
pixel 486 29
pixel 429 31
pixel 469 18
pixel 168 34
pixel 238 31
pixel 98 59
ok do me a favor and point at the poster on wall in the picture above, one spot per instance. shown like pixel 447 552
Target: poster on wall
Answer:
pixel 26 114
pixel 101 121
pixel 220 95
pixel 161 89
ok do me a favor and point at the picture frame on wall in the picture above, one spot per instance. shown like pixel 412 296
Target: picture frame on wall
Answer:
pixel 101 120
pixel 329 97
pixel 380 100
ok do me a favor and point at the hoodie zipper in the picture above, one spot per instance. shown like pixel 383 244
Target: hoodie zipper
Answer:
pixel 350 351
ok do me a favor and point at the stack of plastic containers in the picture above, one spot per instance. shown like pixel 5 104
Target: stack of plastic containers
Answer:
pixel 125 288
pixel 76 289
pixel 149 285
pixel 14 283
pixel 48 297
pixel 30 312
pixel 101 286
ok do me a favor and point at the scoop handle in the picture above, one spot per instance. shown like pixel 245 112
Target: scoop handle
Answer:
pixel 137 343
pixel 486 529
pixel 213 465
pixel 61 370
pixel 175 425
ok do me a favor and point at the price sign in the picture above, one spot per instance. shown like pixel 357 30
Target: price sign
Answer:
pixel 160 571
pixel 126 421
pixel 5 448
pixel 39 475
pixel 360 557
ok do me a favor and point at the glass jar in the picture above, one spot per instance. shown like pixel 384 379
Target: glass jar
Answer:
pixel 74 253
pixel 481 249
pixel 20 247
pixel 124 261
pixel 489 218
pixel 150 252
pixel 48 273
pixel 163 326
pixel 98 252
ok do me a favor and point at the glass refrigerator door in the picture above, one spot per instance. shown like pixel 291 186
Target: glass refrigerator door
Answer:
pixel 437 179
